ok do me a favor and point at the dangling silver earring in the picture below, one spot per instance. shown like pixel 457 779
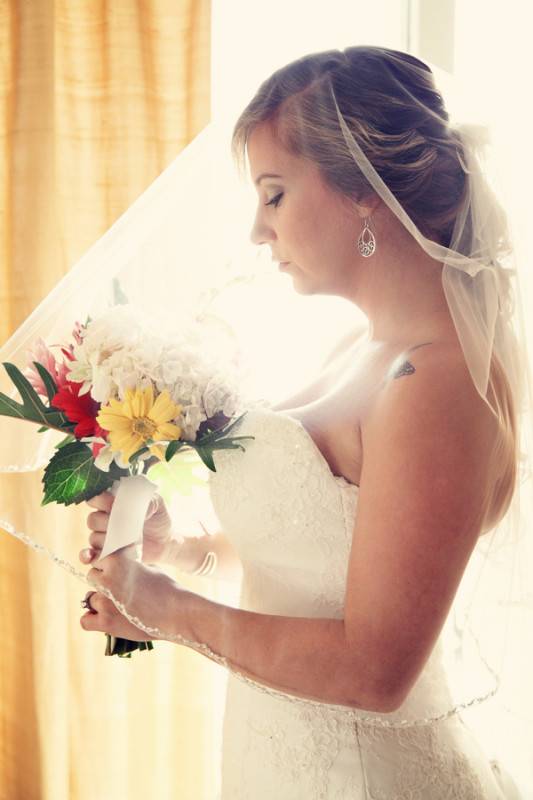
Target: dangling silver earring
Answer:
pixel 366 248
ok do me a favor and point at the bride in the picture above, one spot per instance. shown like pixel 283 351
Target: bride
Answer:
pixel 353 514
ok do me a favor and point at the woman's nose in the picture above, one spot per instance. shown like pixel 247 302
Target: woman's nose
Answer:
pixel 261 233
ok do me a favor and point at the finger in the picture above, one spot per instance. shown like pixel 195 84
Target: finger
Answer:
pixel 103 502
pixel 93 622
pixel 98 602
pixel 94 577
pixel 97 539
pixel 98 521
pixel 86 622
pixel 86 555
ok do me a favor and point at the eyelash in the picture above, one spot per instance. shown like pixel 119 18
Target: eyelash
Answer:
pixel 275 200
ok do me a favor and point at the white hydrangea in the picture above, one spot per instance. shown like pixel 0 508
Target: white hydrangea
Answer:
pixel 124 349
pixel 126 369
pixel 192 418
pixel 219 396
pixel 119 349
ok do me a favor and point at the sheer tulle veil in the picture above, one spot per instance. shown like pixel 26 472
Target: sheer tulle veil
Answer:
pixel 181 252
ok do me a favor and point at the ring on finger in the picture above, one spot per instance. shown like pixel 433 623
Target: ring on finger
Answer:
pixel 86 602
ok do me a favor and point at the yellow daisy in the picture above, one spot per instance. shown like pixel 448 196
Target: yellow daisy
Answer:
pixel 137 418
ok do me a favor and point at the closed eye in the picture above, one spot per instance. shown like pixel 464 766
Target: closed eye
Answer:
pixel 275 200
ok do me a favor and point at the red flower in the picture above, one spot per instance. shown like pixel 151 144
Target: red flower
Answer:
pixel 96 447
pixel 82 410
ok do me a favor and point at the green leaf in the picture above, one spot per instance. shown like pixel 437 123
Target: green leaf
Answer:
pixel 29 396
pixel 10 408
pixel 71 476
pixel 174 447
pixel 137 454
pixel 49 383
pixel 70 438
pixel 43 429
pixel 220 432
pixel 231 425
pixel 206 454
pixel 32 408
pixel 117 472
pixel 215 440
pixel 229 444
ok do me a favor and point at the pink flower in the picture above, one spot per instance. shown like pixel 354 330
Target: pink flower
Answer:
pixel 69 353
pixel 78 328
pixel 43 355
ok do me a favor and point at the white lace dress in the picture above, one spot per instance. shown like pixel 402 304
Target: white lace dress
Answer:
pixel 291 521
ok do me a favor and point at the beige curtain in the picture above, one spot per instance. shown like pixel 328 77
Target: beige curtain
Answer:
pixel 96 98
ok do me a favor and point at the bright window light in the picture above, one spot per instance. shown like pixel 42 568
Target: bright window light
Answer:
pixel 251 39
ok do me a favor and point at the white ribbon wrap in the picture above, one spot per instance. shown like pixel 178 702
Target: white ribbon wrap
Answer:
pixel 126 520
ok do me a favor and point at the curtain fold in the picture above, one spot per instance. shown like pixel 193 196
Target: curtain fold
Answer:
pixel 96 99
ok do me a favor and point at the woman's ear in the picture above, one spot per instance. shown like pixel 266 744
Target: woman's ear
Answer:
pixel 368 206
pixel 365 207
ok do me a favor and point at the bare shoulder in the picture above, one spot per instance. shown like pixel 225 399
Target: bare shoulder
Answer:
pixel 424 495
pixel 430 370
pixel 439 357
pixel 428 405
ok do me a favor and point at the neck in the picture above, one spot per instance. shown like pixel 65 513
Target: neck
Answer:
pixel 400 290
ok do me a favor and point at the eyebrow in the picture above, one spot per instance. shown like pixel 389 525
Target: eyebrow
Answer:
pixel 266 175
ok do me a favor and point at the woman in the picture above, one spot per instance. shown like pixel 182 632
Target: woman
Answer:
pixel 374 483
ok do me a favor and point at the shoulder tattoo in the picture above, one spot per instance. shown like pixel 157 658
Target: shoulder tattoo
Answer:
pixel 406 368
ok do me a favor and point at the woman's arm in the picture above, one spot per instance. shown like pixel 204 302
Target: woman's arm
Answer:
pixel 416 532
pixel 304 657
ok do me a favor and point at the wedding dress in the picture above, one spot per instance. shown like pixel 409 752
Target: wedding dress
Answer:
pixel 291 521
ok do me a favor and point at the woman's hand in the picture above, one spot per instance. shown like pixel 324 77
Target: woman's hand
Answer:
pixel 148 594
pixel 157 530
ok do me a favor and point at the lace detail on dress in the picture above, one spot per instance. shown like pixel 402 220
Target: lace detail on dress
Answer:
pixel 421 763
pixel 321 755
pixel 292 522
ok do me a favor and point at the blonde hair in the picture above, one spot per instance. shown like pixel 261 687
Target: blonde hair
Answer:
pixel 396 114
pixel 415 153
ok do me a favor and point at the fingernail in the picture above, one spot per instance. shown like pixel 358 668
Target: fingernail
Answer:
pixel 87 554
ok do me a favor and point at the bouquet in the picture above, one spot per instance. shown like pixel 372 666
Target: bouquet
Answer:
pixel 126 398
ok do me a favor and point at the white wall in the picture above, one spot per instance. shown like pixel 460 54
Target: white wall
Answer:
pixel 252 38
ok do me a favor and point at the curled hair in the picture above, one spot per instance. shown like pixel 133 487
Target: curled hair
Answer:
pixel 396 114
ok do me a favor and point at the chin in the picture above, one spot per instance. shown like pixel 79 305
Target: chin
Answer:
pixel 306 285
pixel 302 286
pixel 304 282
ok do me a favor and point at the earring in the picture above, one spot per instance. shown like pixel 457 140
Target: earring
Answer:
pixel 366 248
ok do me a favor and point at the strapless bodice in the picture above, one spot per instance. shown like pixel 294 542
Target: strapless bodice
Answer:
pixel 292 523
